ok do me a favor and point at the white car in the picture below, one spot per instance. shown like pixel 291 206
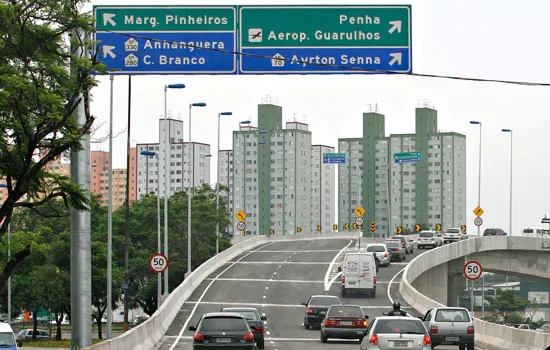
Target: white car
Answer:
pixel 429 239
pixel 381 251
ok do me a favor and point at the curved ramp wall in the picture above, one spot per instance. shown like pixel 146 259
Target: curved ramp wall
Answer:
pixel 524 262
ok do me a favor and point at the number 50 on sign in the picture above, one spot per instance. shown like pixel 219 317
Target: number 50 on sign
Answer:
pixel 472 270
pixel 158 263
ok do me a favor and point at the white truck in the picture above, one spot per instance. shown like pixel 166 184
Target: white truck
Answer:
pixel 359 274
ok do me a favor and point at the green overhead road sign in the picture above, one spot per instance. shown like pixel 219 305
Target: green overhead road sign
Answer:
pixel 165 18
pixel 326 26
pixel 407 157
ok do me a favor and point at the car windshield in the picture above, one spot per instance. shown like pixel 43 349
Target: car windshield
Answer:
pixel 453 230
pixel 223 323
pixel 528 231
pixel 324 301
pixel 392 244
pixel 411 326
pixel 7 339
pixel 248 314
pixel 426 234
pixel 376 248
pixel 399 238
pixel 352 311
pixel 452 315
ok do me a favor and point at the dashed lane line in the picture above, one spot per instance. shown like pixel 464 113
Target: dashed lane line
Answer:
pixel 223 303
pixel 327 275
pixel 282 262
pixel 202 296
pixel 263 280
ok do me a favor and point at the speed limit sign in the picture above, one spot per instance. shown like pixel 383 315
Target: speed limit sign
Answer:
pixel 158 263
pixel 473 270
pixel 359 221
pixel 241 226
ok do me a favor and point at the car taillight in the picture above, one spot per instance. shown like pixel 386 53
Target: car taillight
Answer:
pixel 459 234
pixel 365 323
pixel 427 340
pixel 374 280
pixel 373 339
pixel 404 244
pixel 198 336
pixel 330 322
pixel 310 311
pixel 398 250
pixel 434 329
pixel 471 330
pixel 259 330
pixel 248 337
pixel 343 278
pixel 386 254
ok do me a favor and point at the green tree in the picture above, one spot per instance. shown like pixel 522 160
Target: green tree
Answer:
pixel 38 96
pixel 506 301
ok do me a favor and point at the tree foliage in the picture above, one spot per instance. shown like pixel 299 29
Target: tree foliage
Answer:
pixel 39 93
pixel 506 301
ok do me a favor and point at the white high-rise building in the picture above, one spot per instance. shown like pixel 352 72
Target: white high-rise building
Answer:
pixel 429 192
pixel 180 153
pixel 225 173
pixel 322 190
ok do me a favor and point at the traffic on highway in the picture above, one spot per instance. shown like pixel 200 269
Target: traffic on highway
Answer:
pixel 291 288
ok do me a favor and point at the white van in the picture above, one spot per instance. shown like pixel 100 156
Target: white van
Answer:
pixel 532 232
pixel 7 338
pixel 359 274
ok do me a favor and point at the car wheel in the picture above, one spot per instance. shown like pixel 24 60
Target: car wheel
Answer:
pixel 405 257
pixel 323 338
pixel 420 247
pixel 471 346
pixel 412 250
pixel 261 344
pixel 373 294
pixel 306 324
pixel 344 294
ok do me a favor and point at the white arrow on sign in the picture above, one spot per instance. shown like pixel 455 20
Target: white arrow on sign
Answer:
pixel 108 50
pixel 108 18
pixel 395 25
pixel 396 58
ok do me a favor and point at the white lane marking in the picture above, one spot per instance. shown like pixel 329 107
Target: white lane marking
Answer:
pixel 272 340
pixel 202 296
pixel 282 262
pixel 334 279
pixel 223 303
pixel 389 285
pixel 266 280
pixel 327 282
pixel 295 251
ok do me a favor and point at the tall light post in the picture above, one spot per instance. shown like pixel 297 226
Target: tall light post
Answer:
pixel 479 172
pixel 167 177
pixel 511 167
pixel 159 277
pixel 218 184
pixel 9 255
pixel 191 105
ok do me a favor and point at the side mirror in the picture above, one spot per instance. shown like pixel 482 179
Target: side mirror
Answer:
pixel 263 318
pixel 305 304
pixel 339 268
pixel 366 317
pixel 192 328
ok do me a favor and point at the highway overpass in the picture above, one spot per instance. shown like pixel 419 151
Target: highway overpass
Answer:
pixel 273 274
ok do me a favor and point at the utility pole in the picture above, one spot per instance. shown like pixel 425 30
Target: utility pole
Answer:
pixel 127 215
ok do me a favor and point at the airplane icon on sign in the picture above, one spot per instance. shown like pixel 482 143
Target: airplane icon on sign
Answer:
pixel 255 35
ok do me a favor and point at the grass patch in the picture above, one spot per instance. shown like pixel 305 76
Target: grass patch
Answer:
pixel 65 343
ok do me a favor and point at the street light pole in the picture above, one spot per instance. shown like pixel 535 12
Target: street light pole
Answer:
pixel 9 256
pixel 479 173
pixel 110 222
pixel 167 177
pixel 511 167
pixel 218 184
pixel 191 105
pixel 389 196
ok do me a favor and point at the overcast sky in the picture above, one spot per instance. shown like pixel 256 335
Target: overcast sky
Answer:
pixel 479 39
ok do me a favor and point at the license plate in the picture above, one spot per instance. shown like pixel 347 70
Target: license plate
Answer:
pixel 451 338
pixel 351 282
pixel 360 332
pixel 322 312
pixel 400 344
pixel 223 340
pixel 344 323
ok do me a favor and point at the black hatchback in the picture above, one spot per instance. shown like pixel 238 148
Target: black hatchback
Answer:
pixel 494 232
pixel 254 319
pixel 223 330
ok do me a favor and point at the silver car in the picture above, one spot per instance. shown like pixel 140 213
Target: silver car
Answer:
pixel 394 332
pixel 450 326
pixel 453 235
pixel 381 251
pixel 428 239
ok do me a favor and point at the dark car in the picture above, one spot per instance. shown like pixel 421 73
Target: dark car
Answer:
pixel 317 307
pixel 494 232
pixel 407 243
pixel 395 247
pixel 254 319
pixel 344 322
pixel 223 330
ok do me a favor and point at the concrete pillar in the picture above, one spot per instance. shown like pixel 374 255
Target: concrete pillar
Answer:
pixel 433 283
pixel 456 282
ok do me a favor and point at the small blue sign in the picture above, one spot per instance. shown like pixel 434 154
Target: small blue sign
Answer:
pixel 408 160
pixel 298 60
pixel 334 158
pixel 168 52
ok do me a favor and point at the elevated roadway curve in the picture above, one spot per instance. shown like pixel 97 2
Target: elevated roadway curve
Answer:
pixel 275 278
